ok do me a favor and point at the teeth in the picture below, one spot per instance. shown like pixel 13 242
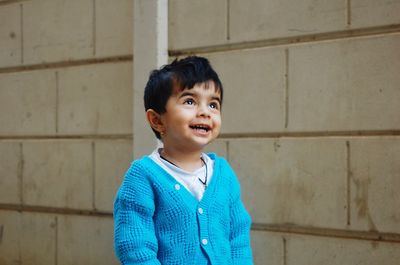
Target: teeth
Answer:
pixel 199 127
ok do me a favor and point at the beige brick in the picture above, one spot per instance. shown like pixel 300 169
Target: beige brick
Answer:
pixel 345 85
pixel 88 240
pixel 297 181
pixel 114 38
pixel 27 238
pixel 28 103
pixel 10 37
pixel 254 89
pixel 195 23
pixel 267 248
pixel 112 159
pixel 375 184
pixel 369 13
pixel 10 235
pixel 10 172
pixel 308 250
pixel 219 147
pixel 96 99
pixel 57 30
pixel 38 241
pixel 58 174
pixel 260 19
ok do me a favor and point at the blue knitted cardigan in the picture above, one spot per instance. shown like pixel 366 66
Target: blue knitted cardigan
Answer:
pixel 158 221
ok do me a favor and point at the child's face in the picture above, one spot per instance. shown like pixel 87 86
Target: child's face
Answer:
pixel 192 118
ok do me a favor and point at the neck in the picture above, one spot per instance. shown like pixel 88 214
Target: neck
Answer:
pixel 189 161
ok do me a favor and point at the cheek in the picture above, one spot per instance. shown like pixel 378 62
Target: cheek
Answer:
pixel 217 122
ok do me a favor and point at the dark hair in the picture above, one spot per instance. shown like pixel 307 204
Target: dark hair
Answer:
pixel 180 74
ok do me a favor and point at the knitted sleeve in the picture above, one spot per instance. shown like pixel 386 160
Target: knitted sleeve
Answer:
pixel 240 223
pixel 134 237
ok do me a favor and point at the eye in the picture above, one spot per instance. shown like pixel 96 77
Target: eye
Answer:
pixel 188 101
pixel 214 105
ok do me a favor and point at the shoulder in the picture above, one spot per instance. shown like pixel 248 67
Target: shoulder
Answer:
pixel 140 167
pixel 225 170
pixel 218 160
pixel 136 184
pixel 138 173
pixel 222 164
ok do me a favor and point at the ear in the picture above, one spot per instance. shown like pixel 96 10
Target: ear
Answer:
pixel 154 120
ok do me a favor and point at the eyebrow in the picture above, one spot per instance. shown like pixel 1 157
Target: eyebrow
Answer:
pixel 188 93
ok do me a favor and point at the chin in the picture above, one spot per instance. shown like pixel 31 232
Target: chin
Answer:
pixel 201 144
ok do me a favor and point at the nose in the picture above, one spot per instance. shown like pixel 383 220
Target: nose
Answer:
pixel 203 110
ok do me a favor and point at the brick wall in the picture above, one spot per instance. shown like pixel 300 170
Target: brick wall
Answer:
pixel 310 120
pixel 310 123
pixel 65 127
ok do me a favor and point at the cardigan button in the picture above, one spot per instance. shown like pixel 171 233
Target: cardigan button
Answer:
pixel 200 210
pixel 204 241
pixel 177 186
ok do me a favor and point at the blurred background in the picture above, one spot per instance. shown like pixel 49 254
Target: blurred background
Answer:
pixel 311 121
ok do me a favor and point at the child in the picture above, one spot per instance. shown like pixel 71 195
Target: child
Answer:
pixel 179 205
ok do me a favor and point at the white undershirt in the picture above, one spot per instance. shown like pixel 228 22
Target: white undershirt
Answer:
pixel 190 180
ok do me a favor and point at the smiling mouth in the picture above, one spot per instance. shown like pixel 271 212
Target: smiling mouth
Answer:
pixel 203 128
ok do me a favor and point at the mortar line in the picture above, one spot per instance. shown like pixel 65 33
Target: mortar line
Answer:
pixel 21 174
pixel 315 134
pixel 93 176
pixel 291 229
pixel 286 88
pixel 348 177
pixel 228 23
pixel 63 64
pixel 54 210
pixel 57 101
pixel 19 242
pixel 290 41
pixel 309 134
pixel 67 137
pixel 94 20
pixel 1 233
pixel 284 250
pixel 21 13
pixel 10 2
pixel 56 240
pixel 348 13
pixel 328 232
pixel 228 151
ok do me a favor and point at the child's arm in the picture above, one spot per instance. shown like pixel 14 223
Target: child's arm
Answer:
pixel 240 223
pixel 135 240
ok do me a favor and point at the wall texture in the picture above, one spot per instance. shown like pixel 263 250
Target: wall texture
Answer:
pixel 310 123
pixel 310 120
pixel 65 127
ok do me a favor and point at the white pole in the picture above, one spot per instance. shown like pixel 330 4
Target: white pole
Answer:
pixel 150 51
